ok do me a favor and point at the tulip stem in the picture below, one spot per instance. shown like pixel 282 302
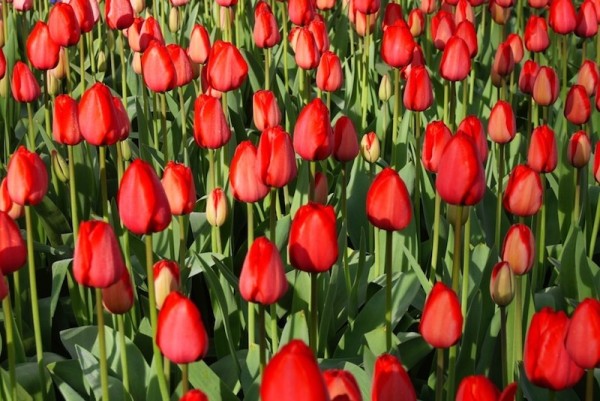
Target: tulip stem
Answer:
pixel 518 324
pixel 396 116
pixel 503 347
pixel 365 70
pixel 82 63
pixel 439 375
pixel 388 289
pixel 576 205
pixel 123 345
pixel 273 216
pixel 589 385
pixel 499 195
pixel 35 309
pixel 162 383
pixel 123 69
pixel 10 344
pixel 314 312
pixel 417 199
pixel 564 55
pixel 457 242
pixel 212 180
pixel 267 69
pixel 436 237
pixel 103 187
pixel 343 206
pixel 90 42
pixel 286 77
pixel 163 125
pixel 30 129
pixel 594 230
pixel 312 176
pixel 274 333
pixel 102 345
pixel 446 100
pixel 186 158
pixel 73 193
pixel 261 338
pixel 466 265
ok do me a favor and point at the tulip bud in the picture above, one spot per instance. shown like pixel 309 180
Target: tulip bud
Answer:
pixel 516 46
pixel 518 249
pixel 27 177
pixel 301 12
pixel 477 388
pixel 174 20
pixel 276 161
pixel 42 51
pixel 504 62
pixel 390 379
pixel 388 202
pixel 325 5
pixel 211 129
pixel 397 46
pixel 266 32
pixel 341 385
pixel 23 85
pixel 582 340
pixel 65 123
pixel 166 280
pixel 345 147
pixel 13 253
pixel 63 26
pixel 587 24
pixel 136 63
pixel 562 16
pixel 101 61
pixel 502 284
pixel 179 187
pixel 266 111
pixel 119 14
pixel 118 298
pixel 543 155
pixel 199 47
pixel 524 192
pixel 416 22
pixel 527 77
pixel 588 77
pixel 463 12
pixel 442 29
pixel 473 128
pixel 194 395
pixel 216 208
pixel 428 6
pixel 84 14
pixel 536 34
pixel 502 125
pixel 59 166
pixel 466 31
pixel 546 86
pixel 313 135
pixel 244 174
pixel 579 149
pixel 418 93
pixel 539 4
pixel 157 68
pixel 97 105
pixel 319 30
pixel 437 135
pixel 226 69
pixel 456 62
pixel 306 51
pixel 442 321
pixel 329 73
pixel 385 88
pixel 577 106
pixel 500 15
pixel 182 64
pixel 369 147
pixel 13 209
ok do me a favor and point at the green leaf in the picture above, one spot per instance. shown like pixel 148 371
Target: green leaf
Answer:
pixel 204 379
pixel 576 279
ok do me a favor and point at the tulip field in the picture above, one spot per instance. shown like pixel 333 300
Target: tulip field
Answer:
pixel 300 200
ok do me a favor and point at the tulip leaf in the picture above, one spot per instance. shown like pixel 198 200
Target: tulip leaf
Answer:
pixel 576 278
pixel 90 367
pixel 22 394
pixel 204 379
pixel 68 378
pixel 295 328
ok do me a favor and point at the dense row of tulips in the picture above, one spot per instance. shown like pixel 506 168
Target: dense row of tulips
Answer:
pixel 342 271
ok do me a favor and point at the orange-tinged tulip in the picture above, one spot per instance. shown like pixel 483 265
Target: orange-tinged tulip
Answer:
pixel 477 388
pixel 118 298
pixel 341 385
pixel 23 85
pixel 13 209
pixel 226 69
pixel 179 187
pixel 313 135
pixel 244 177
pixel 578 107
pixel 166 280
pixel 97 105
pixel 524 193
pixel 442 321
pixel 157 68
pixel 518 249
pixel 579 149
pixel 543 154
pixel 502 125
pixel 266 113
pixel 456 61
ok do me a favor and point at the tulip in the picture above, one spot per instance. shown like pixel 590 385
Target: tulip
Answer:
pixel 182 64
pixel 463 12
pixel 518 249
pixel 597 162
pixel 392 15
pixel 466 31
pixel 428 6
pixel 119 14
pixel 301 12
pixel 308 251
pixel 27 178
pixel 318 28
pixel 97 105
pixel 226 69
pixel 391 381
pixel 313 135
pixel 388 202
pixel 547 362
pixel 194 395
pixel 562 16
pixel 477 388
pixel 546 86
pixel 118 298
pixel 539 4
pixel 246 183
pixel 63 26
pixel 341 385
pixel 416 22
pixel 321 188
pixel 2 63
pixel 149 31
pixel 166 280
pixel 13 253
pixel 367 6
pixel 179 187
pixel 211 129
pixel 138 5
pixel 509 393
pixel 524 193
pixel 13 209
pixel 84 14
pixel 227 3
pixel 97 261
pixel 23 84
pixel 369 147
pixel 306 51
pixel 157 68
pixel 502 125
pixel 442 29
pixel 123 124
pixel 418 93
pixel 329 73
pixel 418 60
pixel 437 136
pixel 4 290
pixel 442 320
pixel 293 370
pixel 266 32
pixel 502 284
pixel 516 45
pixel 345 146
pixel 363 23
pixel 456 63
pixel 199 47
pixel 500 15
pixel 582 339
pixel 65 123
pixel 276 162
pixel 473 128
pixel 266 111
pixel 325 5
pixel 142 202
pixel 588 77
pixel 579 150
pixel 543 155
pixel 216 208
pixel 397 46
pixel 577 106
pixel 385 89
pixel 181 335
pixel 587 24
pixel 262 279
pixel 536 34
pixel 527 77
pixel 504 63
pixel 22 5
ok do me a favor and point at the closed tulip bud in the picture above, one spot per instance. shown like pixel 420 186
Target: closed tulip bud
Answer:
pixel 142 202
pixel 418 93
pixel 262 279
pixel 266 32
pixel 293 370
pixel 244 176
pixel 543 155
pixel 547 362
pixel 319 30
pixel 158 69
pixel 388 203
pixel 136 63
pixel 539 4
pixel 597 162
pixel 194 395
pixel 305 48
pixel 63 26
pixel 524 192
pixel 502 125
pixel 97 261
pixel 477 388
pixel 65 122
pixel 118 298
pixel 509 393
pixel 181 335
pixel 97 105
pixel 416 22
pixel 119 14
pixel 23 84
pixel 308 251
pixel 397 46
pixel 527 77
pixel 23 5
pixel 504 62
pixel 460 178
pixel 276 161
pixel 502 284
pixel 390 380
pixel 84 14
pixel 59 166
pixel 582 340
pixel 428 6
pixel 345 146
pixel 199 47
pixel 149 31
pixel 101 61
pixel 385 88
pixel 463 12
pixel 182 64
pixel 13 209
pixel 577 106
pixel 437 135
pixel 367 6
pixel 597 7
pixel 13 253
pixel 393 15
pixel 562 16
pixel 518 249
pixel 301 12
pixel 27 178
pixel 516 46
pixel 579 149
pixel 216 208
pixel 588 77
pixel 266 113
pixel 123 123
pixel 500 15
pixel 442 321
pixel 473 128
pixel 325 5
pixel 313 135
pixel 226 69
pixel 456 62
pixel 369 147
pixel 536 34
pixel 174 20
pixel 363 23
pixel 587 24
pixel 341 385
pixel 58 72
pixel 466 31
pixel 329 73
pixel 211 129
pixel 546 86
pixel 166 280
pixel 178 184
pixel 442 29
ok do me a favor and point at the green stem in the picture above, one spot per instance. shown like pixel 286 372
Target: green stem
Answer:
pixel 73 193
pixel 365 70
pixel 273 216
pixel 251 325
pixel 564 55
pixel 499 195
pixel 212 179
pixel 186 158
pixel 123 69
pixel 182 241
pixel 589 385
pixel 185 382
pixel 163 125
pixel 284 22
pixel 82 63
pixel 466 266
pixel 250 217
pixel 102 345
pixel 123 345
pixel 90 41
pixel 314 312
pixel 452 354
pixel 344 212
pixel 457 242
pixel 10 344
pixel 30 127
pixel 274 332
pixel 388 289
pixel 417 199
pixel 262 337
pixel 439 375
pixel 396 116
pixel 518 324
pixel 446 100
pixel 267 69
pixel 436 237
pixel 504 356
pixel 594 230
pixel 103 186
pixel 576 205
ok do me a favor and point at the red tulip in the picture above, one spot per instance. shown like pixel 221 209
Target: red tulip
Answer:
pixel 13 253
pixel 502 284
pixel 226 69
pixel 418 93
pixel 181 335
pixel 428 6
pixel 157 68
pixel 142 202
pixel 199 47
pixel 597 162
pixel 216 207
pixel 182 64
pixel 2 64
pixel 179 187
pixel 266 111
pixel 22 5
pixel 211 129
pixel 329 73
pixel 123 124
pixel 524 193
pixel 313 135
pixel 562 16
pixel 516 45
pixel 227 3
pixel 63 26
pixel 473 128
pixel 477 388
pixel 546 86
pixel 244 176
pixel 325 5
pixel 509 393
pixel 397 46
pixel 276 161
pixel 460 178
pixel 23 84
pixel 321 188
pixel 388 202
pixel 416 22
pixel 341 385
pixel 536 34
pixel 463 12
pixel 306 51
pixel 466 31
pixel 437 135
pixel 518 249
pixel 391 381
pixel 504 62
pixel 393 15
pixel 262 279
pixel 65 123
pixel 13 209
pixel 301 12
pixel 442 321
pixel 119 14
pixel 500 15
pixel 194 395
pixel 502 125
pixel 588 77
pixel 84 14
pixel 97 105
pixel 456 62
pixel 582 340
pixel 97 261
pixel 149 31
pixel 527 77
pixel 308 251
pixel 442 29
pixel 363 23
pixel 547 362
pixel 318 28
pixel 118 298
pixel 539 4
pixel 577 106
pixel 266 32
pixel 27 178
pixel 543 155
pixel 166 280
pixel 367 6
pixel 293 370
pixel 587 24
pixel 579 150
pixel 345 147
